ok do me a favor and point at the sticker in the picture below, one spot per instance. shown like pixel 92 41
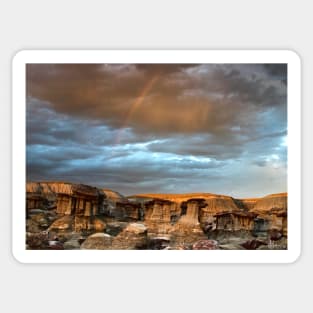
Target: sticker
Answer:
pixel 156 156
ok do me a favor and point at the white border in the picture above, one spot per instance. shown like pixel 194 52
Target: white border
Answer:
pixel 156 56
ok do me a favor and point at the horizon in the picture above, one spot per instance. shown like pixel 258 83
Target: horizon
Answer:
pixel 155 194
pixel 159 128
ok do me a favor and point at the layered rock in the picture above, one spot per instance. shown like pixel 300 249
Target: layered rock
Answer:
pixel 271 213
pixel 69 198
pixel 126 211
pixel 212 204
pixel 158 215
pixel 188 229
pixel 246 204
pixel 217 214
pixel 80 200
pixel 153 221
pixel 275 201
pixel 34 201
pixel 235 220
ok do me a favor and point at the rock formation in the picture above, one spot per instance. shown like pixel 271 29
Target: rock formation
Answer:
pixel 63 215
pixel 235 220
pixel 80 200
pixel 272 209
pixel 158 215
pixel 269 202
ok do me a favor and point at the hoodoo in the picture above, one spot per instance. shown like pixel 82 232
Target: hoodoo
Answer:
pixel 71 213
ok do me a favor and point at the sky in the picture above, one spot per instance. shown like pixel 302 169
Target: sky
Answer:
pixel 159 128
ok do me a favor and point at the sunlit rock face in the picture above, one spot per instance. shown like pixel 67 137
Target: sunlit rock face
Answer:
pixel 192 206
pixel 158 215
pixel 215 204
pixel 35 198
pixel 80 200
pixel 65 215
pixel 246 204
pixel 275 201
pixel 188 229
pixel 234 220
pixel 68 198
pixel 175 218
pixel 273 209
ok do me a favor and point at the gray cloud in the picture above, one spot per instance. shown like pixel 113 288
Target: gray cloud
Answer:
pixel 181 99
pixel 167 128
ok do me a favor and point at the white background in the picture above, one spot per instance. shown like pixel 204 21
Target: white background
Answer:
pixel 146 25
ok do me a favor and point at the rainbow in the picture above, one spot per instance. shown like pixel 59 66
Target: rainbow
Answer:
pixel 134 106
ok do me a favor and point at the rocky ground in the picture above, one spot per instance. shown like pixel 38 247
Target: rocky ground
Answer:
pixel 148 222
pixel 46 230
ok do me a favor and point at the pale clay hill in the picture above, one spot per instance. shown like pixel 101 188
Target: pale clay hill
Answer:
pixel 86 217
pixel 51 189
pixel 266 203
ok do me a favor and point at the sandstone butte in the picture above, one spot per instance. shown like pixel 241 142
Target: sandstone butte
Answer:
pixel 71 213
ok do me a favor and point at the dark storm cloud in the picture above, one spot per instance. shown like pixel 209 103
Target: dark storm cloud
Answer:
pixel 47 127
pixel 278 71
pixel 137 168
pixel 167 128
pixel 211 146
pixel 177 99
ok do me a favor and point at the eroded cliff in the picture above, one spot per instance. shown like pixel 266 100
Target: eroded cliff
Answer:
pixel 64 215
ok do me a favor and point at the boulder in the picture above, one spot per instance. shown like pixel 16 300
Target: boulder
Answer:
pixel 205 245
pixel 97 241
pixel 32 226
pixel 136 228
pixel 115 228
pixel 64 223
pixel 41 219
pixel 37 240
pixel 253 244
pixel 72 244
pixel 55 245
pixel 133 237
pixel 159 243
